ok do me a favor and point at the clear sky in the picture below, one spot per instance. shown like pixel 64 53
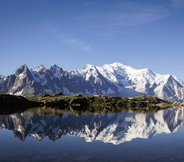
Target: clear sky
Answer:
pixel 73 33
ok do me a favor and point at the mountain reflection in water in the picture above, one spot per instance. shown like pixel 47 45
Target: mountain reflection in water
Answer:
pixel 113 128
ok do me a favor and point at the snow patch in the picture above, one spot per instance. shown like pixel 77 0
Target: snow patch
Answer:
pixel 19 93
pixel 22 75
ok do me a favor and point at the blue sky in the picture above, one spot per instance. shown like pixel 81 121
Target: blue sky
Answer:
pixel 73 33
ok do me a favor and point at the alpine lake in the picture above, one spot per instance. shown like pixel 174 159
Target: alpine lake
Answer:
pixel 48 134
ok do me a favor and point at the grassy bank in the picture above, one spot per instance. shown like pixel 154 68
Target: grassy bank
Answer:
pixel 78 103
pixel 79 100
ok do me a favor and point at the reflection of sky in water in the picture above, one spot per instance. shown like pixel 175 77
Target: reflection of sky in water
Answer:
pixel 161 147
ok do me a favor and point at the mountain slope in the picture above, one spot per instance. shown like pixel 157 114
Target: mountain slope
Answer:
pixel 110 79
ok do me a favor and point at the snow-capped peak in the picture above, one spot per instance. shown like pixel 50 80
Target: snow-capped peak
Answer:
pixel 119 65
pixel 111 79
pixel 54 67
pixel 178 80
pixel 56 70
pixel 2 78
pixel 40 68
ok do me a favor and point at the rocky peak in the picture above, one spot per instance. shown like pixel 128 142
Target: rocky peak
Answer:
pixel 40 68
pixel 111 79
pixel 22 69
pixel 56 70
pixel 1 78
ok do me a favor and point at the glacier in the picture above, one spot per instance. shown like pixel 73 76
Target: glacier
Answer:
pixel 111 79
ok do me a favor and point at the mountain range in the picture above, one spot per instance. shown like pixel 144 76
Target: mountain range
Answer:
pixel 110 79
pixel 113 128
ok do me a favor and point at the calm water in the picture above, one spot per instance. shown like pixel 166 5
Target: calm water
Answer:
pixel 96 137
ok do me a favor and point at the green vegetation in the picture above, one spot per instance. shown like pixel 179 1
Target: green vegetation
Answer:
pixel 79 104
pixel 99 102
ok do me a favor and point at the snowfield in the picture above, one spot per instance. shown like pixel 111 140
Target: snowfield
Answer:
pixel 110 79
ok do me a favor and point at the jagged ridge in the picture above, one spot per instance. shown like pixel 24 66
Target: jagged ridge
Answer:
pixel 110 79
